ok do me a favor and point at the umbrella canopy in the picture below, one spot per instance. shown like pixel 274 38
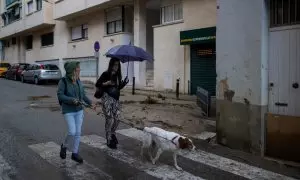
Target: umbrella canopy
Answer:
pixel 127 53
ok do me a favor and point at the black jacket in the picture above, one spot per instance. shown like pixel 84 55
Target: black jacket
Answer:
pixel 112 90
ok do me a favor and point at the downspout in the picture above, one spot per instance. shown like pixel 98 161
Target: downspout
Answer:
pixel 184 70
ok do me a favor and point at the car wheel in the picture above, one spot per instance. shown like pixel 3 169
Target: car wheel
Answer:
pixel 22 79
pixel 36 80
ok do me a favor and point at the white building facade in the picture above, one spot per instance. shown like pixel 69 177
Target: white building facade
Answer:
pixel 56 31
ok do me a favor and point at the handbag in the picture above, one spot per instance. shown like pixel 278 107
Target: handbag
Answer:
pixel 99 93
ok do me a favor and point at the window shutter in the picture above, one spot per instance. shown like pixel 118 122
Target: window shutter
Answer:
pixel 30 7
pixel 114 14
pixel 76 33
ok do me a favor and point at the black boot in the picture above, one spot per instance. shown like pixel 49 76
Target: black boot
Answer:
pixel 77 158
pixel 114 138
pixel 63 152
pixel 111 144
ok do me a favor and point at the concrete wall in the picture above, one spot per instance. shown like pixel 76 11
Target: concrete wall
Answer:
pixel 242 36
pixel 56 51
pixel 69 7
pixel 169 55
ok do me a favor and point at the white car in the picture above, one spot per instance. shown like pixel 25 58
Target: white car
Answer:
pixel 38 73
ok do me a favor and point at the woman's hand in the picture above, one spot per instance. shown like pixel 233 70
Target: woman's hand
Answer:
pixel 93 106
pixel 76 102
pixel 126 80
pixel 108 83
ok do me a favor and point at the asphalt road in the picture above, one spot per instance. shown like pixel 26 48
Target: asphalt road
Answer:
pixel 30 139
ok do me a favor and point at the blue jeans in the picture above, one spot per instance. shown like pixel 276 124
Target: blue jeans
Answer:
pixel 74 121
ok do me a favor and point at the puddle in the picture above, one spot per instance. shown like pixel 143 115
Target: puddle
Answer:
pixel 35 98
pixel 51 107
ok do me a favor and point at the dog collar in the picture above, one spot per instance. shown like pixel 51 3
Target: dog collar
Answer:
pixel 173 140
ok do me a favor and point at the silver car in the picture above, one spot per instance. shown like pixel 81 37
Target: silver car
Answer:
pixel 38 73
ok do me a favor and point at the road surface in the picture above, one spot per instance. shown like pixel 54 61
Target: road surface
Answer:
pixel 30 139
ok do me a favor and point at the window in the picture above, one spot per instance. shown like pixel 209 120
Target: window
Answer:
pixel 284 12
pixel 30 7
pixel 14 41
pixel 6 43
pixel 88 66
pixel 39 5
pixel 23 66
pixel 11 15
pixel 5 65
pixel 50 67
pixel 9 2
pixel 29 40
pixel 114 20
pixel 171 13
pixel 47 39
pixel 79 32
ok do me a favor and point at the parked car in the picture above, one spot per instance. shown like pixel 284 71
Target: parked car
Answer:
pixel 15 71
pixel 38 73
pixel 4 66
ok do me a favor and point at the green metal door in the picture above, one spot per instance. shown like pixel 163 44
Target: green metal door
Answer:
pixel 203 67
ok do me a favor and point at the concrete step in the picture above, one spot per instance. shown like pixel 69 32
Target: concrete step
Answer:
pixel 149 82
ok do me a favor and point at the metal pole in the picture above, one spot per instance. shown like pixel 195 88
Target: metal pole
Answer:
pixel 133 85
pixel 97 64
pixel 177 88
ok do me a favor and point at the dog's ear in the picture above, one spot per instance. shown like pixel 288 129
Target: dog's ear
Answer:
pixel 183 143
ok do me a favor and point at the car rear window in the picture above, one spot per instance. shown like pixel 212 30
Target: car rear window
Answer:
pixel 23 66
pixel 51 67
pixel 4 65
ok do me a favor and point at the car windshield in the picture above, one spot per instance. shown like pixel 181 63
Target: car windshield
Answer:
pixel 51 67
pixel 4 65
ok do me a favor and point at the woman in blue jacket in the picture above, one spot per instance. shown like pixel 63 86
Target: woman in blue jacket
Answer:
pixel 71 93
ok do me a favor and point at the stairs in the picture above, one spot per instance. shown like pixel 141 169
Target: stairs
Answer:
pixel 149 78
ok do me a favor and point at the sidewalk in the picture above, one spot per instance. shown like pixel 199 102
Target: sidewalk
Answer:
pixel 164 110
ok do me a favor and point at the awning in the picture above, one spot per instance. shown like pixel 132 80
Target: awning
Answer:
pixel 198 36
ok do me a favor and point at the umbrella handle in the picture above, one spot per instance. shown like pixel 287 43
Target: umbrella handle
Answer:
pixel 127 69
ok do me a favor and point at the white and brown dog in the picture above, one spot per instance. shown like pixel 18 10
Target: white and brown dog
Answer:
pixel 164 141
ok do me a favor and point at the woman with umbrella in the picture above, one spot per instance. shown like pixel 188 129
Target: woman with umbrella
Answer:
pixel 110 83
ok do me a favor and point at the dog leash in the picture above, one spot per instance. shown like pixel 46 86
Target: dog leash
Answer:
pixel 130 124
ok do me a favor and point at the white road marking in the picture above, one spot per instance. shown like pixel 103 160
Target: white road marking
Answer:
pixel 159 171
pixel 5 169
pixel 50 152
pixel 225 164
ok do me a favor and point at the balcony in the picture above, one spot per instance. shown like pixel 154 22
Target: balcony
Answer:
pixel 65 9
pixel 36 20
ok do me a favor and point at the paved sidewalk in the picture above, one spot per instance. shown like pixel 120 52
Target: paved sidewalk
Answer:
pixel 152 109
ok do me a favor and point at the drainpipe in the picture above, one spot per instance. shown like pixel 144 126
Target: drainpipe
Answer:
pixel 184 61
pixel 1 51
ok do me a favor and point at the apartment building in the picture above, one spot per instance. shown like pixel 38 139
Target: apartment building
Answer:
pixel 57 31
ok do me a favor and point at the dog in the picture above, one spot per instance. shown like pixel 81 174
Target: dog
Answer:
pixel 164 141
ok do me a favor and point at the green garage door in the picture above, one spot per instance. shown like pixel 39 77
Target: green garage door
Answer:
pixel 203 67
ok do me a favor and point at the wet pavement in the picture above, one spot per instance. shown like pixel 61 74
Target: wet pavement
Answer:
pixel 30 139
